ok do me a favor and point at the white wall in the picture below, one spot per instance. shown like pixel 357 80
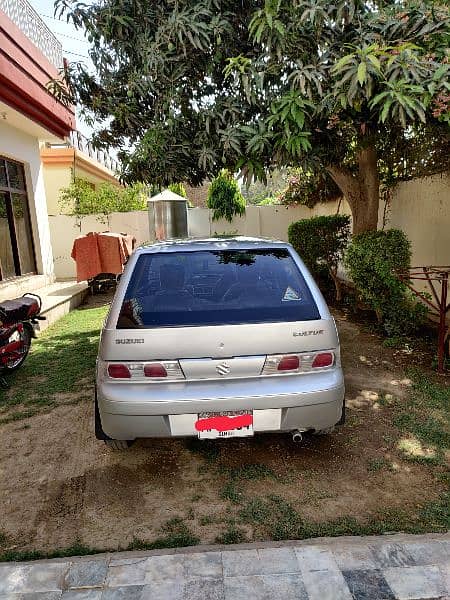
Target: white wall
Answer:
pixel 421 208
pixel 259 221
pixel 24 148
pixel 65 229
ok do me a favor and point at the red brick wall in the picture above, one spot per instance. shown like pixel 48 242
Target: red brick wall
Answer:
pixel 198 195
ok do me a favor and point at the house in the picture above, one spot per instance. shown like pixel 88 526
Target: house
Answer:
pixel 30 56
pixel 39 149
pixel 198 195
pixel 62 163
pixel 74 159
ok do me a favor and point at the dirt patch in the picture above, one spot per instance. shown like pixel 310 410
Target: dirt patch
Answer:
pixel 86 391
pixel 59 485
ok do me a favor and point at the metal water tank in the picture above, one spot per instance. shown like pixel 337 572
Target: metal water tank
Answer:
pixel 167 216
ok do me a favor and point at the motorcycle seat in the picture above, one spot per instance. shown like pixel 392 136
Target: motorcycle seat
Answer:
pixel 19 309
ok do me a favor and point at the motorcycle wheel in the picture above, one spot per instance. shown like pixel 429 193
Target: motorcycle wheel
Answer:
pixel 14 364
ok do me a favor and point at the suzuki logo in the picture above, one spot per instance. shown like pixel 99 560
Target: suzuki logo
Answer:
pixel 223 369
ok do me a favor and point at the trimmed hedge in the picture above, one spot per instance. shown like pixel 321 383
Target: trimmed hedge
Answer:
pixel 371 259
pixel 321 241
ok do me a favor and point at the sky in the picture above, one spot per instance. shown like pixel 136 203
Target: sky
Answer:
pixel 75 47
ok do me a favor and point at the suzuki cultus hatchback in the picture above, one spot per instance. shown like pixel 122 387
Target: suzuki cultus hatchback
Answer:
pixel 217 338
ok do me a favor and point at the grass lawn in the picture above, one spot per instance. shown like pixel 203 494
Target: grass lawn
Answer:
pixel 386 469
pixel 59 369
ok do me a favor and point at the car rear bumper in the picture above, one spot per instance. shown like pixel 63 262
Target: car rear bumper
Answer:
pixel 309 401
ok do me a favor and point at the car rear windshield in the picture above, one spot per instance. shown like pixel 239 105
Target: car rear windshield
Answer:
pixel 216 287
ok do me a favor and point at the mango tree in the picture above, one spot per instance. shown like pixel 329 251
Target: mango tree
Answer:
pixel 353 92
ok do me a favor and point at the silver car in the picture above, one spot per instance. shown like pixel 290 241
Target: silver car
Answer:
pixel 217 338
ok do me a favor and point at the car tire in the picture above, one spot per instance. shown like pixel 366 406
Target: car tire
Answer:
pixel 118 444
pixel 326 431
pixel 99 433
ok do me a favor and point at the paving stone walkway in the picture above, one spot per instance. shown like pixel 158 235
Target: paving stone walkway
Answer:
pixel 397 567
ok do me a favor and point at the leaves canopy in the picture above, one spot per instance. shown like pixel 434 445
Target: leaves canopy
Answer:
pixel 187 87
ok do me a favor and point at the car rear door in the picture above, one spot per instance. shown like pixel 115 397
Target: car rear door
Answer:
pixel 219 313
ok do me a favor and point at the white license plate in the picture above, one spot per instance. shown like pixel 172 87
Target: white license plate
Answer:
pixel 224 424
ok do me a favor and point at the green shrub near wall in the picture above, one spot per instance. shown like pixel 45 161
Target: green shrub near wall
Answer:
pixel 81 198
pixel 178 188
pixel 321 242
pixel 225 198
pixel 371 260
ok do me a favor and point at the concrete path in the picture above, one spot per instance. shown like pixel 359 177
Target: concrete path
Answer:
pixel 390 567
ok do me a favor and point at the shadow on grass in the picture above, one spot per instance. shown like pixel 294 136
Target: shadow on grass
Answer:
pixel 60 367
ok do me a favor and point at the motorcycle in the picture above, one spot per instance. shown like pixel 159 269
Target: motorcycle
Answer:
pixel 18 318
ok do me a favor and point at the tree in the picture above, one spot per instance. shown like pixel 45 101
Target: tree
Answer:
pixel 224 197
pixel 82 198
pixel 348 90
pixel 257 192
pixel 178 188
pixel 308 187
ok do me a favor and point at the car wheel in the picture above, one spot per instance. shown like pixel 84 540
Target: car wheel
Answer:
pixel 326 431
pixel 118 444
pixel 99 433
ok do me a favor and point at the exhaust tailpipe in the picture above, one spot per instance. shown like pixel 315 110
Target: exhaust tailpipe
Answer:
pixel 297 436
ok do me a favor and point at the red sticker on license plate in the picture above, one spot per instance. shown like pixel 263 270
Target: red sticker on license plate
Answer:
pixel 224 423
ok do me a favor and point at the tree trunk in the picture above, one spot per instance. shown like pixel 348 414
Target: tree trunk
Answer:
pixel 362 190
pixel 337 282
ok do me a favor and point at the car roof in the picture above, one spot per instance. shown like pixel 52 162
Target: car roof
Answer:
pixel 213 243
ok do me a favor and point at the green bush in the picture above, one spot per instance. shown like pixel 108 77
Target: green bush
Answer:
pixel 132 197
pixel 178 188
pixel 321 242
pixel 372 259
pixel 82 198
pixel 269 201
pixel 404 317
pixel 78 198
pixel 224 197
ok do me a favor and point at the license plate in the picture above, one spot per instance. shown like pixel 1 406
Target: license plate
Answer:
pixel 224 424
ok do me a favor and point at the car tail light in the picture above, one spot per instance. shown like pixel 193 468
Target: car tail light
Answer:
pixel 162 370
pixel 155 370
pixel 117 371
pixel 324 359
pixel 305 362
pixel 289 363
